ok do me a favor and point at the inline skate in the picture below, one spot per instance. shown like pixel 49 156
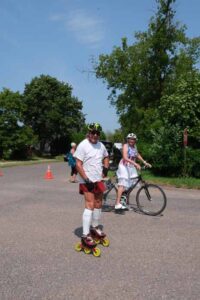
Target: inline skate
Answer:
pixel 99 236
pixel 88 245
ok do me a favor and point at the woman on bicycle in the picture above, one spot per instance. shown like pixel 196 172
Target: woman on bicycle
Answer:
pixel 127 168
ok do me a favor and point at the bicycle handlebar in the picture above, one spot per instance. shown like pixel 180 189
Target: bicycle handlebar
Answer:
pixel 142 168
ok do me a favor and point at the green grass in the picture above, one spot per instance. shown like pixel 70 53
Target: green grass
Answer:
pixel 34 160
pixel 184 182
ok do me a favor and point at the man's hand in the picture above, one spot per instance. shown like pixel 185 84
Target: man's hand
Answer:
pixel 89 184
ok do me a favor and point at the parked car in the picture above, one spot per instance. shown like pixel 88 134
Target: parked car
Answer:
pixel 115 154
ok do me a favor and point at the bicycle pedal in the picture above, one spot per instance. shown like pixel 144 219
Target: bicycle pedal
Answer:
pixel 120 211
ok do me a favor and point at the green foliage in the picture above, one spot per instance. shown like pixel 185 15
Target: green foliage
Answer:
pixel 193 162
pixel 16 138
pixel 154 86
pixel 116 137
pixel 47 113
pixel 103 136
pixel 77 137
pixel 166 151
pixel 52 111
pixel 139 75
pixel 169 157
pixel 183 107
pixel 178 111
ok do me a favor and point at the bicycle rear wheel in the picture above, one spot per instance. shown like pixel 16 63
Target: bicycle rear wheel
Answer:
pixel 151 199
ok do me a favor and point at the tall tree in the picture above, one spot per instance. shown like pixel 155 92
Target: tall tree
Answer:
pixel 15 137
pixel 182 108
pixel 52 111
pixel 140 74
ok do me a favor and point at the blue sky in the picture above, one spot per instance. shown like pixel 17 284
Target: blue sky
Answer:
pixel 59 38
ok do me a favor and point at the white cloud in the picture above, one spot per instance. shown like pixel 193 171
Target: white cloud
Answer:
pixel 57 17
pixel 86 28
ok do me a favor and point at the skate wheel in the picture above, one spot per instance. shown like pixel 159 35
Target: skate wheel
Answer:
pixel 97 241
pixel 78 247
pixel 106 242
pixel 96 252
pixel 87 250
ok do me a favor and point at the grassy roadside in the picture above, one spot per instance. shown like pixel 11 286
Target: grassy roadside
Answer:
pixel 179 182
pixel 35 160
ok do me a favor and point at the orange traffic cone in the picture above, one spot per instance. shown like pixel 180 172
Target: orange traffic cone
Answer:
pixel 1 174
pixel 48 174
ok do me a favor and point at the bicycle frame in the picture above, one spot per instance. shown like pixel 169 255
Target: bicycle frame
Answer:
pixel 129 190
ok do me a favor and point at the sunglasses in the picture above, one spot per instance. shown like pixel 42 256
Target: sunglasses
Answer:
pixel 93 132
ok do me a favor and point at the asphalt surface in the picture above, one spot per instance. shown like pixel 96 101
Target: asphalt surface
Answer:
pixel 149 258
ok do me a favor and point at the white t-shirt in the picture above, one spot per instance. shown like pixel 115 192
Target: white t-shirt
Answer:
pixel 91 155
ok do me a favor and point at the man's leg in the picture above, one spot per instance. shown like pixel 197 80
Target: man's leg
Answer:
pixel 88 212
pixel 97 209
pixel 96 231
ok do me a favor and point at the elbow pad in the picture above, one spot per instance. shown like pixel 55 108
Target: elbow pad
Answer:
pixel 105 171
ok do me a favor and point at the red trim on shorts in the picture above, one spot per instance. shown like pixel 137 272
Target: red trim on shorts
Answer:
pixel 99 188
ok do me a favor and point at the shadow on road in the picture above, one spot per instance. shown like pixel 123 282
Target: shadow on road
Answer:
pixel 78 231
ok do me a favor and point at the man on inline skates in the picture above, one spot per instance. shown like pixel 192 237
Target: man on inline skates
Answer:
pixel 92 162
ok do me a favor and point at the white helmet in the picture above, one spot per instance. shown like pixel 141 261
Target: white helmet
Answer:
pixel 73 144
pixel 131 136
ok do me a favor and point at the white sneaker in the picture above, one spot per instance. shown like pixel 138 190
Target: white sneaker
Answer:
pixel 120 206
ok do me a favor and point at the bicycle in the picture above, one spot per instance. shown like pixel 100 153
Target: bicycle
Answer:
pixel 150 198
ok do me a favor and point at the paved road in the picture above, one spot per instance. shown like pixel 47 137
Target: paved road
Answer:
pixel 149 258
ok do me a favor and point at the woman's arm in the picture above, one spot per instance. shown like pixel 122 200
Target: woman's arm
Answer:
pixel 143 161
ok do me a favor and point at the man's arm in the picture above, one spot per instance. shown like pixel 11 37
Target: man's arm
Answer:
pixel 79 168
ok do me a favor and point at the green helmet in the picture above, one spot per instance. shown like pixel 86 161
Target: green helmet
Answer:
pixel 94 126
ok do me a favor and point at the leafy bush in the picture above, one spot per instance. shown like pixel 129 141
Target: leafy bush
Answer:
pixel 168 156
pixel 193 162
pixel 166 151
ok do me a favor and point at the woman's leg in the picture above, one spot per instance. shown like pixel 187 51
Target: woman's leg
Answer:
pixel 73 174
pixel 119 194
pixel 71 178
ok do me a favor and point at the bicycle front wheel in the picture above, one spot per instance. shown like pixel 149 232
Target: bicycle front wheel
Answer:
pixel 151 199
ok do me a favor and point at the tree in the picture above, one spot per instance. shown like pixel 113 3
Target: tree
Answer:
pixel 177 111
pixel 182 108
pixel 52 111
pixel 140 74
pixel 16 137
pixel 117 137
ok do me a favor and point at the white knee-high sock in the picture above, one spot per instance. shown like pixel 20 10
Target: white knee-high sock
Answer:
pixel 87 218
pixel 96 217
